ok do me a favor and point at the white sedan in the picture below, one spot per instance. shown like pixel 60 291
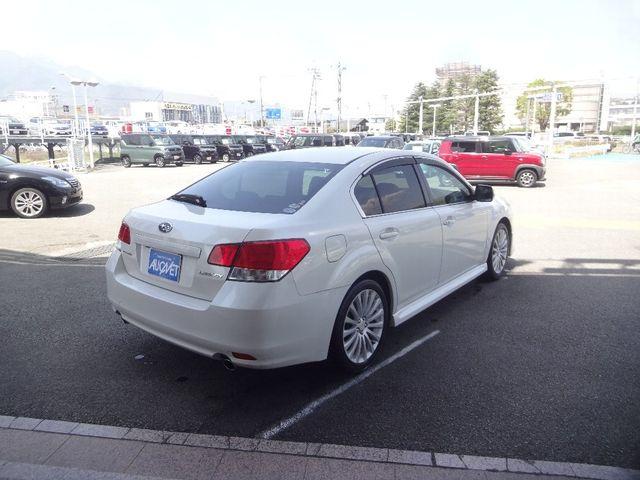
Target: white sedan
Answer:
pixel 296 256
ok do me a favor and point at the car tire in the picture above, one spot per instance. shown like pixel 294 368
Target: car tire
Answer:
pixel 145 164
pixel 159 161
pixel 249 154
pixel 363 316
pixel 197 159
pixel 179 164
pixel 29 203
pixel 498 252
pixel 526 178
pixel 126 161
pixel 225 157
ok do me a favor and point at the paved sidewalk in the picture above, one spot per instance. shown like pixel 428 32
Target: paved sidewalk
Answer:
pixel 35 449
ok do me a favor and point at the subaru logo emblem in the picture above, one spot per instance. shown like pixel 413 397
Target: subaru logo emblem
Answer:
pixel 165 227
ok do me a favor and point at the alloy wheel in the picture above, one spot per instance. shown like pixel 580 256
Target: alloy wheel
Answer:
pixel 29 203
pixel 363 325
pixel 500 249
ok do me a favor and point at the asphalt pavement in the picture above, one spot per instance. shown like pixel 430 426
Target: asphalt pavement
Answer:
pixel 544 364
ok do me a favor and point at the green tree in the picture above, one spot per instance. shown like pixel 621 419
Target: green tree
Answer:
pixel 490 109
pixel 465 107
pixel 524 105
pixel 447 115
pixel 411 112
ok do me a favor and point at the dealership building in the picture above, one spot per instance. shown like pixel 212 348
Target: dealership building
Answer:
pixel 186 108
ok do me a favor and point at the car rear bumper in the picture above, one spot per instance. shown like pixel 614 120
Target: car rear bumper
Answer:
pixel 269 321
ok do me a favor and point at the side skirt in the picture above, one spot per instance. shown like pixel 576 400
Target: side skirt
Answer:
pixel 439 293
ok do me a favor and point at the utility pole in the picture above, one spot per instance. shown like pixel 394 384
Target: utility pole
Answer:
pixel 552 116
pixel 421 115
pixel 433 129
pixel 476 115
pixel 339 99
pixel 261 107
pixel 315 76
pixel 635 113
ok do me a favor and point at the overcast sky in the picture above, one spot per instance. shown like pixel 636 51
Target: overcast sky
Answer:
pixel 221 48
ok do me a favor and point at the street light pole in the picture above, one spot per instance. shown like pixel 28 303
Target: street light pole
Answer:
pixel 261 108
pixel 476 115
pixel 435 107
pixel 76 129
pixel 86 111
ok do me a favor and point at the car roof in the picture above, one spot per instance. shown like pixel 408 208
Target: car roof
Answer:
pixel 384 137
pixel 479 138
pixel 335 155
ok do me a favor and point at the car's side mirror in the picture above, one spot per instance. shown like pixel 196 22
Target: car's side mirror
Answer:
pixel 483 193
pixel 508 152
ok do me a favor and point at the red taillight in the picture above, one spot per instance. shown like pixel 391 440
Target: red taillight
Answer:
pixel 124 235
pixel 223 255
pixel 265 261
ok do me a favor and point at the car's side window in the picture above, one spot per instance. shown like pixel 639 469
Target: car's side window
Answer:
pixel 398 188
pixel 497 146
pixel 464 147
pixel 445 187
pixel 365 193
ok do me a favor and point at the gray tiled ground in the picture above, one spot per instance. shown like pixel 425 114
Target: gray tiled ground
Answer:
pixel 484 463
pixel 190 463
pixel 107 454
pixel 104 431
pixel 5 421
pixel 336 469
pixel 263 466
pixel 294 448
pixel 28 471
pixel 448 460
pixel 24 423
pixel 407 456
pixel 354 453
pixel 56 426
pixel 212 441
pixel 29 447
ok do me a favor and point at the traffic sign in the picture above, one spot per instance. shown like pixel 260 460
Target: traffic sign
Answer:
pixel 273 113
pixel 547 97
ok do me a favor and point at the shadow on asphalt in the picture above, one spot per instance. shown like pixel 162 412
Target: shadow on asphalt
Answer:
pixel 78 210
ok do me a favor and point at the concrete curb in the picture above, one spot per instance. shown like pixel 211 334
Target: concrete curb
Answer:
pixel 320 450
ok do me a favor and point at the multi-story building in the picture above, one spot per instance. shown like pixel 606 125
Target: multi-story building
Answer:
pixel 622 111
pixel 27 104
pixel 187 108
pixel 455 70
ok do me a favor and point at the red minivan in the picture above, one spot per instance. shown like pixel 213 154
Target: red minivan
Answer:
pixel 493 158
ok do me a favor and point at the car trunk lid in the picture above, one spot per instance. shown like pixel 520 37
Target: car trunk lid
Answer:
pixel 171 242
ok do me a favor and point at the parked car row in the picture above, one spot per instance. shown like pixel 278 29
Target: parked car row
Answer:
pixel 161 150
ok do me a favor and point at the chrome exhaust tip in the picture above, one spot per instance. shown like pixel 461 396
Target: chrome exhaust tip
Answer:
pixel 226 361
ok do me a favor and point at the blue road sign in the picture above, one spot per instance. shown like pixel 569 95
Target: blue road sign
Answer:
pixel 273 113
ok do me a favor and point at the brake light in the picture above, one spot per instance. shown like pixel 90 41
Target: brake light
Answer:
pixel 124 235
pixel 266 261
pixel 223 255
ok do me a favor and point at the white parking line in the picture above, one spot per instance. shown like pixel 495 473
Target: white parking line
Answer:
pixel 309 408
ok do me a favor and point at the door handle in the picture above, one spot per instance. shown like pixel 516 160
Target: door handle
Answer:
pixel 449 221
pixel 484 157
pixel 389 233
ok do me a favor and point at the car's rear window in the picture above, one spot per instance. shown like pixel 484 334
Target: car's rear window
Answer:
pixel 264 187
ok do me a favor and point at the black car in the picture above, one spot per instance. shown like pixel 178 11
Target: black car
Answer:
pixel 306 140
pixel 382 141
pixel 15 126
pixel 31 191
pixel 226 147
pixel 273 144
pixel 196 148
pixel 251 145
